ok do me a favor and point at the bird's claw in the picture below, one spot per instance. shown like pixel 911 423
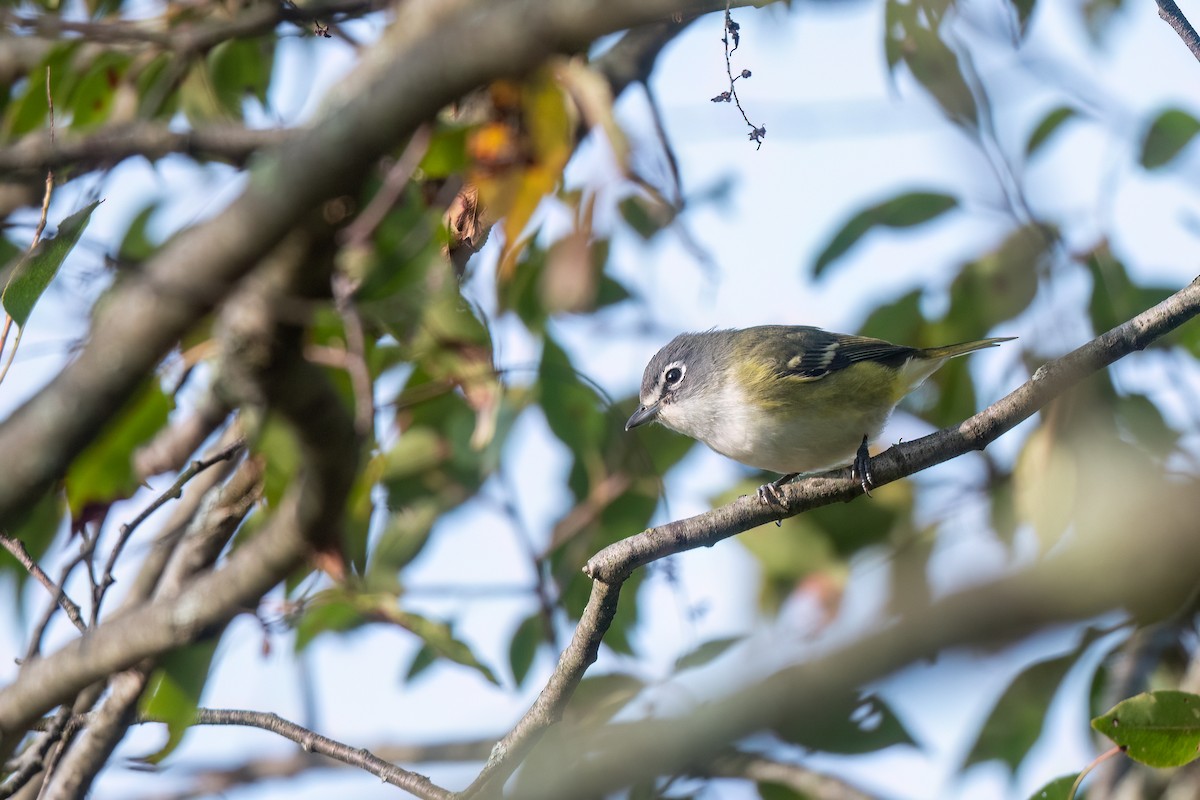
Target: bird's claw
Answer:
pixel 769 492
pixel 861 468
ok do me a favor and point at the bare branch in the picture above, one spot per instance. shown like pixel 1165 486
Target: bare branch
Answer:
pixel 37 152
pixel 187 39
pixel 312 742
pixel 581 653
pixel 615 562
pixel 612 566
pixel 172 492
pixel 212 529
pixel 17 548
pixel 169 449
pixel 1151 575
pixel 1169 11
pixel 310 511
pixel 418 67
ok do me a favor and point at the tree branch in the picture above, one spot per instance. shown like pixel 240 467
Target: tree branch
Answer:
pixel 1175 18
pixel 36 153
pixel 1151 575
pixel 17 548
pixel 615 562
pixel 758 768
pixel 612 566
pixel 416 68
pixel 191 38
pixel 312 742
pixel 309 512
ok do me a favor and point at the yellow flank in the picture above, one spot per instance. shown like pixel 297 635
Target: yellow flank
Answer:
pixel 864 384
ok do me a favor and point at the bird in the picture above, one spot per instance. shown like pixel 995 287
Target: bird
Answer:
pixel 790 399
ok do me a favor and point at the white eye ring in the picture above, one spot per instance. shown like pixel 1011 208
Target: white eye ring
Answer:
pixel 673 374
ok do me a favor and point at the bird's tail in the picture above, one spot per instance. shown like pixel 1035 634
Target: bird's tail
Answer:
pixel 962 348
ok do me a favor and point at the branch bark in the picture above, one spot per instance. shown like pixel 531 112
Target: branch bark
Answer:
pixel 308 513
pixel 614 564
pixel 415 69
pixel 1150 576
pixel 1170 13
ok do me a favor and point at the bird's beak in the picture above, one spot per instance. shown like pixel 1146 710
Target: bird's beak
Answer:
pixel 643 415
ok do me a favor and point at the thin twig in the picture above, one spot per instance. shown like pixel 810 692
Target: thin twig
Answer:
pixel 86 546
pixel 313 742
pixel 173 492
pixel 35 757
pixel 41 226
pixel 1175 18
pixel 732 33
pixel 537 561
pixel 358 233
pixel 17 548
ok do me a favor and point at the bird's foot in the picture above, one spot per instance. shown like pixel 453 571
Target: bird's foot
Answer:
pixel 769 492
pixel 861 468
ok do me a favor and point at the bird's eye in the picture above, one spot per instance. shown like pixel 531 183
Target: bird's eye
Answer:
pixel 673 375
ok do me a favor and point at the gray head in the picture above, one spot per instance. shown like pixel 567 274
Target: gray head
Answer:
pixel 682 371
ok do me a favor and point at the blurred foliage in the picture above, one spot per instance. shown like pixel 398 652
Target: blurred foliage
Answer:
pixel 448 399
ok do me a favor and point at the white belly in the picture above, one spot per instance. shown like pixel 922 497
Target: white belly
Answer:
pixel 794 442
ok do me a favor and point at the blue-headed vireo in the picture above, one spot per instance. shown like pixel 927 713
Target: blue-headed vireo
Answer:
pixel 785 398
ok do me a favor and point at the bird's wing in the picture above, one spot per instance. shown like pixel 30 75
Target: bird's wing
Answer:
pixel 809 354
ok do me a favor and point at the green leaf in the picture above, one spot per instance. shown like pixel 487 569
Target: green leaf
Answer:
pixel 898 321
pixel 30 111
pixel 440 639
pixel 937 68
pixel 599 697
pixel 1170 132
pixel 35 272
pixel 1158 729
pixel 1115 297
pixel 157 92
pixel 447 152
pixel 999 285
pixel 610 291
pixel 36 529
pixel 240 67
pixel 402 540
pixel 425 658
pixel 860 726
pixel 647 216
pixel 104 471
pixel 572 409
pixel 706 652
pixel 174 691
pixel 1057 789
pixel 1143 422
pixel 903 211
pixel 777 791
pixel 276 444
pixel 137 246
pixel 1017 719
pixel 93 98
pixel 1048 127
pixel 524 646
pixel 327 612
